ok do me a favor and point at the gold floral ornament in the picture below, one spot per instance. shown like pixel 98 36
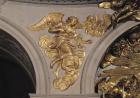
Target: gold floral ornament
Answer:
pixel 65 47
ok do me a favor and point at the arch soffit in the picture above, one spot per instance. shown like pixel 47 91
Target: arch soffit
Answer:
pixel 42 76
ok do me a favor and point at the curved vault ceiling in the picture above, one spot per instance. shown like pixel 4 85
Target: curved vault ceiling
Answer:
pixel 59 1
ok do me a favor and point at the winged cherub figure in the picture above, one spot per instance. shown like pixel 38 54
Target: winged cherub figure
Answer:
pixel 65 47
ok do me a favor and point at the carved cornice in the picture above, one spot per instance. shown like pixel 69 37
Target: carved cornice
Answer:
pixel 59 1
pixel 63 96
pixel 2 2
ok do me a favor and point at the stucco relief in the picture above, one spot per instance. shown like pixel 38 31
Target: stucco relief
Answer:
pixel 67 47
pixel 64 2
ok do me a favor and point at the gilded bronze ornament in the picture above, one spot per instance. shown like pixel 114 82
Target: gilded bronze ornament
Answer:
pixel 125 10
pixel 120 75
pixel 66 47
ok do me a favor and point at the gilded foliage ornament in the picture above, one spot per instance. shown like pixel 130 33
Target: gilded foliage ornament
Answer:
pixel 120 77
pixel 66 47
pixel 125 10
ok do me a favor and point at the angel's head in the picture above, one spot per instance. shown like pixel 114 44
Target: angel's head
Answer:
pixel 54 18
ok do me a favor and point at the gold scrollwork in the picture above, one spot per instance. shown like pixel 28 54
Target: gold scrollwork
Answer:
pixel 66 47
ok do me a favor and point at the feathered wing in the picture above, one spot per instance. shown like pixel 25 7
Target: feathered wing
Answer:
pixel 46 21
pixel 41 25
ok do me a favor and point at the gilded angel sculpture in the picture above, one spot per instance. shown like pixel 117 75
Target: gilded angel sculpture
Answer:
pixel 65 47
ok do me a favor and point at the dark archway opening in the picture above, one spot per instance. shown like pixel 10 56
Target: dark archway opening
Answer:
pixel 17 75
pixel 14 81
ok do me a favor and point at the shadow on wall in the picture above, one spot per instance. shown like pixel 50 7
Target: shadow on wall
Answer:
pixel 17 76
pixel 14 81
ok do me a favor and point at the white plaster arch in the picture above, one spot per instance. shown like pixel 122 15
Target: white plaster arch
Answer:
pixel 96 54
pixel 42 76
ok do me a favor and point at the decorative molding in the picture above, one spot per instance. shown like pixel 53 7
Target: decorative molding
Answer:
pixel 59 1
pixel 63 96
pixel 2 2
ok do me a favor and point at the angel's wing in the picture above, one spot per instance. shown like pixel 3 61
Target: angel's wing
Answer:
pixel 41 25
pixel 46 21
